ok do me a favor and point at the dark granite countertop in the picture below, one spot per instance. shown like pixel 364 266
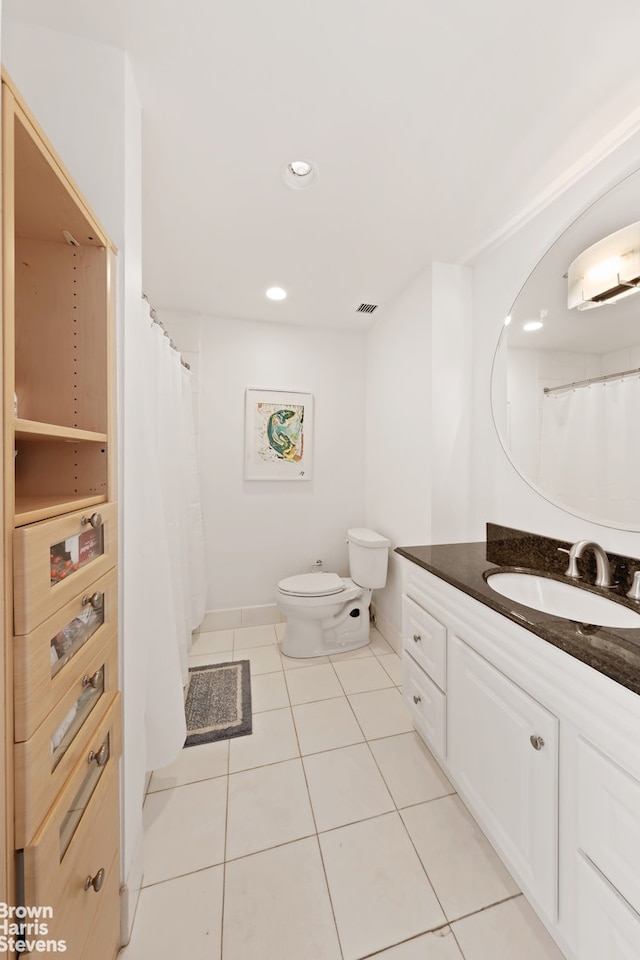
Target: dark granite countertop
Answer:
pixel 614 652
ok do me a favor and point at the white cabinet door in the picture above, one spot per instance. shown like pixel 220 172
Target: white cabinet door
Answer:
pixel 608 929
pixel 502 750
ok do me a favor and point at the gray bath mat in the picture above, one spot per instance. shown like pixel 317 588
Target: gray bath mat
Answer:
pixel 218 702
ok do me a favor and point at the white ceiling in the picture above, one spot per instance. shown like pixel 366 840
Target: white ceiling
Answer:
pixel 432 126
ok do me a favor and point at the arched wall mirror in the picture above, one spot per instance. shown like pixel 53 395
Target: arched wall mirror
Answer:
pixel 566 382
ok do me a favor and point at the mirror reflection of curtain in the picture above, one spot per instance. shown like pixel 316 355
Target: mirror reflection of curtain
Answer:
pixel 589 452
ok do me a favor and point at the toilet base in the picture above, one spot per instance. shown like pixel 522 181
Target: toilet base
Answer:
pixel 318 638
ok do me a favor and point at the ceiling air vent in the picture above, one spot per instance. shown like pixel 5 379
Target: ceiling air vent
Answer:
pixel 367 308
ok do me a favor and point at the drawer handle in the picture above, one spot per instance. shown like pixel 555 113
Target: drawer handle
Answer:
pixel 536 742
pixel 93 681
pixel 100 757
pixel 417 699
pixel 96 600
pixel 95 520
pixel 95 882
pixel 417 638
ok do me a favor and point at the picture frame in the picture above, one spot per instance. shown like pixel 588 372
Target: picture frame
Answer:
pixel 278 435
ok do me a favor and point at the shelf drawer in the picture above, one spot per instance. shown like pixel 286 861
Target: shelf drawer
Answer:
pixel 44 761
pixel 54 656
pixel 609 820
pixel 56 559
pixel 426 703
pixel 59 862
pixel 425 639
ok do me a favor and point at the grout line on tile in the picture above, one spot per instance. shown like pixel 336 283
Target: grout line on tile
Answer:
pixel 488 906
pixel 437 930
pixel 275 846
pixel 326 881
pixel 179 876
pixel 174 786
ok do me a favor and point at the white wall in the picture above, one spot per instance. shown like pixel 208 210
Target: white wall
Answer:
pixel 418 419
pixel 440 474
pixel 398 449
pixel 450 427
pixel 499 493
pixel 257 532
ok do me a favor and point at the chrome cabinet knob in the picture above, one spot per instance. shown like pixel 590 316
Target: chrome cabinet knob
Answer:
pixel 95 600
pixel 417 699
pixel 417 638
pixel 93 681
pixel 95 882
pixel 100 757
pixel 536 742
pixel 95 520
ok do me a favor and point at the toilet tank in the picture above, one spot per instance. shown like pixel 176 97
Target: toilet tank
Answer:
pixel 368 556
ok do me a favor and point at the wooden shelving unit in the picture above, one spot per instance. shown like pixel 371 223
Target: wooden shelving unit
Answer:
pixel 60 546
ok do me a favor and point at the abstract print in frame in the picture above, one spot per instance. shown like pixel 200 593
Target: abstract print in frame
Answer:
pixel 278 428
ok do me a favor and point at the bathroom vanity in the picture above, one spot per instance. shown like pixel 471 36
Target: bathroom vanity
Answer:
pixel 536 721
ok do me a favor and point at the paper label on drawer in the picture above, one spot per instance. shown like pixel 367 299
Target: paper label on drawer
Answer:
pixel 71 554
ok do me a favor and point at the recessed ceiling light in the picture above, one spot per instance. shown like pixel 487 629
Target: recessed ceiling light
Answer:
pixel 276 293
pixel 299 174
pixel 532 325
pixel 300 168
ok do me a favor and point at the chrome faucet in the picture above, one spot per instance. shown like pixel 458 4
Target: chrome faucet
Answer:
pixel 603 570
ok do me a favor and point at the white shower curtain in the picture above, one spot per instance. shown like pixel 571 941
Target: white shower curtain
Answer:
pixel 164 561
pixel 589 450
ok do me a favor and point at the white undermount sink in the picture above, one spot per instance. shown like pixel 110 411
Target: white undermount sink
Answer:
pixel 562 599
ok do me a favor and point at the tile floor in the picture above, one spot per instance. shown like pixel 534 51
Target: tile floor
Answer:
pixel 329 833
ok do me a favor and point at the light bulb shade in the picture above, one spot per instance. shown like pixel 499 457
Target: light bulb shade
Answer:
pixel 607 271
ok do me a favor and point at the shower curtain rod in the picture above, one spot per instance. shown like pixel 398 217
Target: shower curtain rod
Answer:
pixel 587 383
pixel 154 319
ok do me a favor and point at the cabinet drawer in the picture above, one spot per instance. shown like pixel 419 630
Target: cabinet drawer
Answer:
pixel 79 884
pixel 425 638
pixel 417 584
pixel 609 820
pixel 426 703
pixel 44 761
pixel 61 839
pixel 104 936
pixel 607 926
pixel 55 560
pixel 54 656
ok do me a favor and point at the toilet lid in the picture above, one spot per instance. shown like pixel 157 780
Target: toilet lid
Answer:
pixel 312 585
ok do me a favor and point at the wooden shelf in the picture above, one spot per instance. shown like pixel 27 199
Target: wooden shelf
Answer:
pixel 59 466
pixel 33 429
pixel 32 509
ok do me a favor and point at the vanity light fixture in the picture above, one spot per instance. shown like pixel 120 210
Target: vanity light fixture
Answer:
pixel 299 174
pixel 607 271
pixel 276 293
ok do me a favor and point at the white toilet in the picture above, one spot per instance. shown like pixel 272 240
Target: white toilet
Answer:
pixel 330 614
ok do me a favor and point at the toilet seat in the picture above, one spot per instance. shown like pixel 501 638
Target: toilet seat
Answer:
pixel 312 585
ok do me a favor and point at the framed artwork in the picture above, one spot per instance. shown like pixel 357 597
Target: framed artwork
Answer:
pixel 278 435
